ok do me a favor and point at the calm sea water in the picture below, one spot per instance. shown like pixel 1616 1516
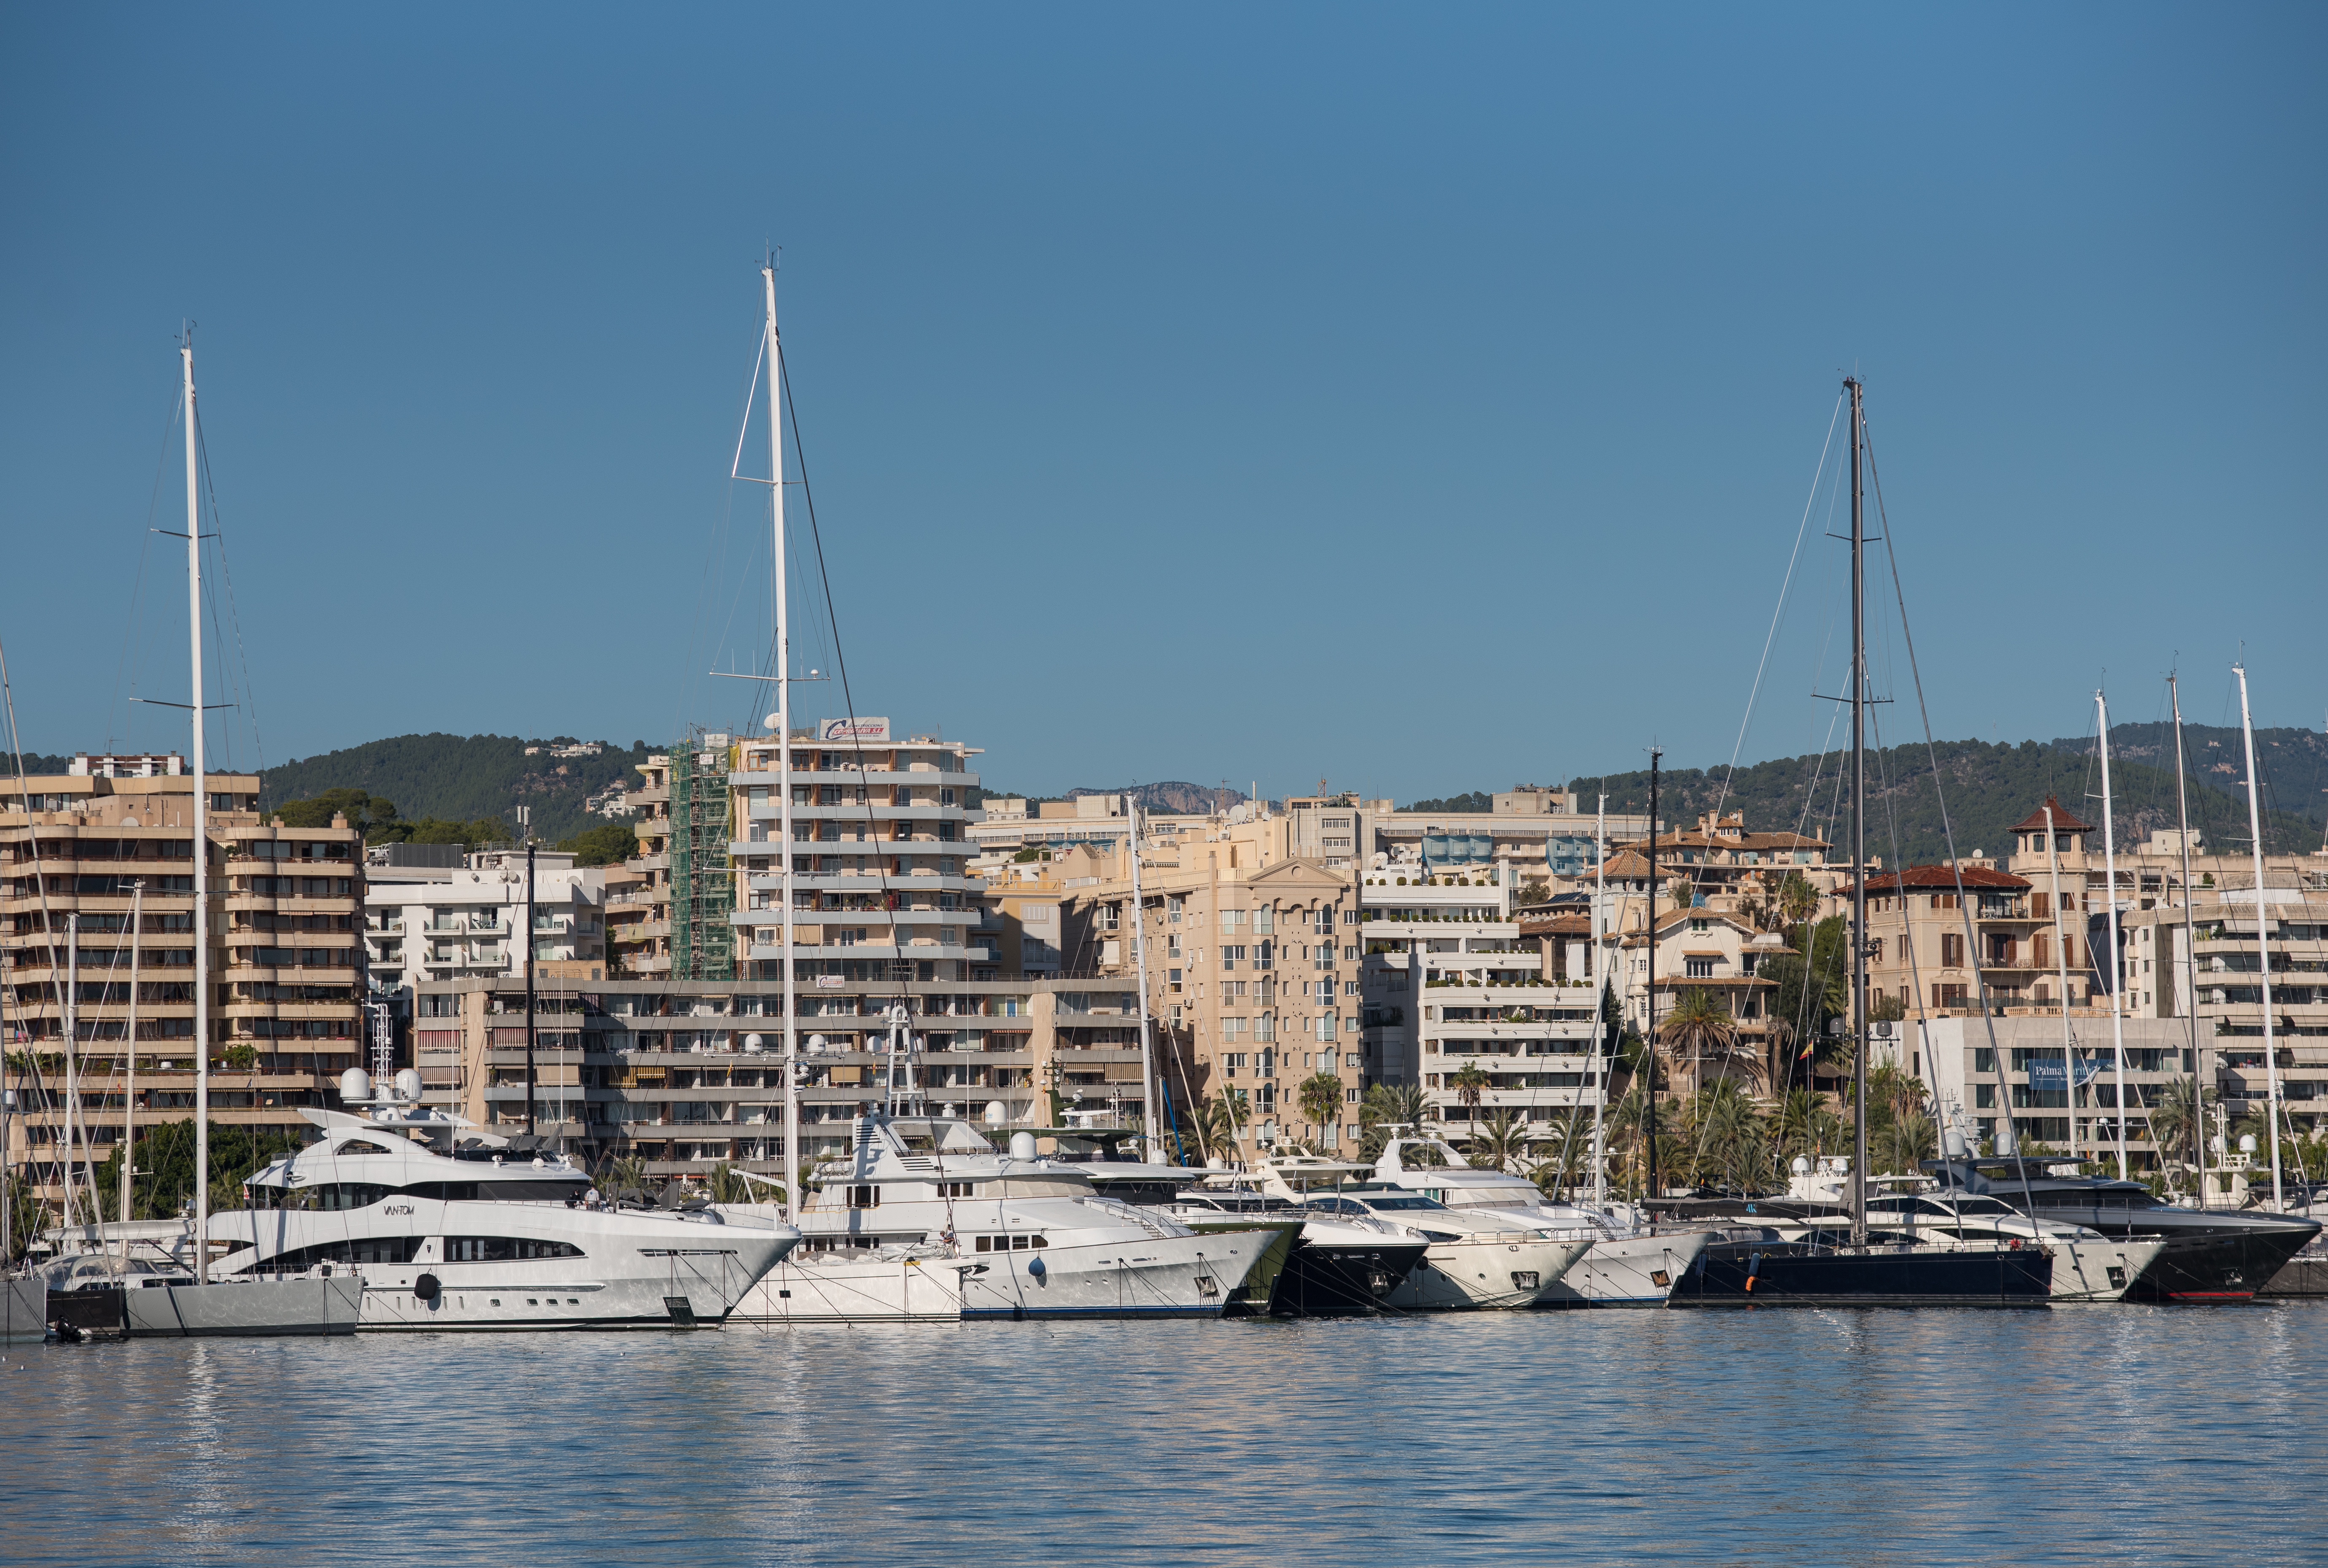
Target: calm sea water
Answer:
pixel 1860 1437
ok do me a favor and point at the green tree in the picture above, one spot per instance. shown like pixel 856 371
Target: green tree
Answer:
pixel 363 810
pixel 1385 1106
pixel 1498 1140
pixel 1471 1087
pixel 1727 1137
pixel 1321 1098
pixel 1213 1125
pixel 2181 1110
pixel 608 844
pixel 1810 990
pixel 166 1161
pixel 1895 1147
pixel 1699 1030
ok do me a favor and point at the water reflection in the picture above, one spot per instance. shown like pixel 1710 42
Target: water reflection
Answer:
pixel 1850 1437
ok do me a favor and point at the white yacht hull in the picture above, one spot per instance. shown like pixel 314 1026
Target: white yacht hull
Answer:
pixel 253 1308
pixel 1484 1273
pixel 1173 1276
pixel 1629 1271
pixel 853 1287
pixel 636 1270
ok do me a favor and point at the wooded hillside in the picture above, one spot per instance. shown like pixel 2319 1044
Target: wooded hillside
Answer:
pixel 463 777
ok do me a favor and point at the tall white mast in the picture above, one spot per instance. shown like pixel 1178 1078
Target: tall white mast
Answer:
pixel 2062 943
pixel 2263 937
pixel 2186 979
pixel 2117 968
pixel 201 848
pixel 1140 955
pixel 72 1056
pixel 1600 1025
pixel 129 1060
pixel 783 751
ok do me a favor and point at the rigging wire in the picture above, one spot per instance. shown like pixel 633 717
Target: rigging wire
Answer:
pixel 137 593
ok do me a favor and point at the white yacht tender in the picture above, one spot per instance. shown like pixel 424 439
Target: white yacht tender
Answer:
pixel 1628 1265
pixel 455 1229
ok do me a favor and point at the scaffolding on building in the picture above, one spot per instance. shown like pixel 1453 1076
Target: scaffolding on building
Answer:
pixel 702 875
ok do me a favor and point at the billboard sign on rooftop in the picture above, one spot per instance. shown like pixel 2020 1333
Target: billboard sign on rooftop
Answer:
pixel 856 731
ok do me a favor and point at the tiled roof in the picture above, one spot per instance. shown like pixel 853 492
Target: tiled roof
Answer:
pixel 1942 878
pixel 2062 821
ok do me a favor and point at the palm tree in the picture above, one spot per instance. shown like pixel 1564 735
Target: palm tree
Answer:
pixel 1700 1029
pixel 1471 1087
pixel 1805 1126
pixel 1497 1142
pixel 2180 1118
pixel 1387 1106
pixel 1212 1125
pixel 1321 1098
pixel 1727 1137
pixel 1897 1146
pixel 728 1186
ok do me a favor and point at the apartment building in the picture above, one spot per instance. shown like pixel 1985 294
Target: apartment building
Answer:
pixel 880 857
pixel 638 904
pixel 1453 983
pixel 686 1075
pixel 1253 968
pixel 286 959
pixel 1976 1064
pixel 1537 833
pixel 441 912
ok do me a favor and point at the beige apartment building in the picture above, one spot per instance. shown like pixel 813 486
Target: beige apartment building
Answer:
pixel 1254 970
pixel 286 954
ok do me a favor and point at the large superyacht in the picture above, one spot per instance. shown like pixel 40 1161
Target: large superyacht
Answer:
pixel 452 1227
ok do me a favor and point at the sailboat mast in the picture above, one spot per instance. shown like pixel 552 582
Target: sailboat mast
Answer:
pixel 1649 1012
pixel 2187 978
pixel 2062 956
pixel 72 1056
pixel 532 1094
pixel 1600 1024
pixel 2263 938
pixel 202 845
pixel 1858 831
pixel 783 749
pixel 1140 955
pixel 2117 965
pixel 129 1060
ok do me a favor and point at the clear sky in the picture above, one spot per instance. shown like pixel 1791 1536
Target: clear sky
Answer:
pixel 1421 398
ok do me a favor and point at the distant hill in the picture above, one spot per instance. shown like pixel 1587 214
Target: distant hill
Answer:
pixel 461 777
pixel 1174 796
pixel 2294 763
pixel 1989 789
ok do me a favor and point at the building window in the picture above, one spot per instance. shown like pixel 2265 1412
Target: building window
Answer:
pixel 1698 968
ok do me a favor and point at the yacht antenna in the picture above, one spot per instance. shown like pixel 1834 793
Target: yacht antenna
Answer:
pixel 1599 1027
pixel 2263 938
pixel 1148 1118
pixel 2116 958
pixel 2189 978
pixel 201 843
pixel 1858 825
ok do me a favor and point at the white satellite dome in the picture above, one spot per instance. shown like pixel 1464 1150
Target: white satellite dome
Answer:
pixel 817 1042
pixel 997 1113
pixel 1022 1145
pixel 754 1044
pixel 355 1084
pixel 407 1084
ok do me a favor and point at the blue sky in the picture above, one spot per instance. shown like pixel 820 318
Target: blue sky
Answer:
pixel 1421 398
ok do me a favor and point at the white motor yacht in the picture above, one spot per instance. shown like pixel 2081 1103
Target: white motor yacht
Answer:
pixel 1475 1257
pixel 452 1228
pixel 924 1218
pixel 1628 1264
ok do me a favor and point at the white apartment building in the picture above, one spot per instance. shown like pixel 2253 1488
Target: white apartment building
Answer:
pixel 880 856
pixel 1451 983
pixel 436 912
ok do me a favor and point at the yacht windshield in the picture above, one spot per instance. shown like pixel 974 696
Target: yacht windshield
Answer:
pixel 1415 1200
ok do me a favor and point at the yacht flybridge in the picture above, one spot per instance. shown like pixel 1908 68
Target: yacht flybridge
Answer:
pixel 924 1218
pixel 453 1227
pixel 1628 1263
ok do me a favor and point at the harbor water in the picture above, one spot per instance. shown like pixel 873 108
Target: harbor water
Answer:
pixel 2164 1434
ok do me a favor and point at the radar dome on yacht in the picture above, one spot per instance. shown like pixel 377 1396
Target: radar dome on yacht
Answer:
pixel 997 1113
pixel 754 1044
pixel 2246 1142
pixel 1022 1145
pixel 355 1084
pixel 1801 1167
pixel 816 1042
pixel 407 1084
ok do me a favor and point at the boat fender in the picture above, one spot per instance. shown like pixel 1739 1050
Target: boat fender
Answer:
pixel 1753 1266
pixel 426 1287
pixel 1034 1267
